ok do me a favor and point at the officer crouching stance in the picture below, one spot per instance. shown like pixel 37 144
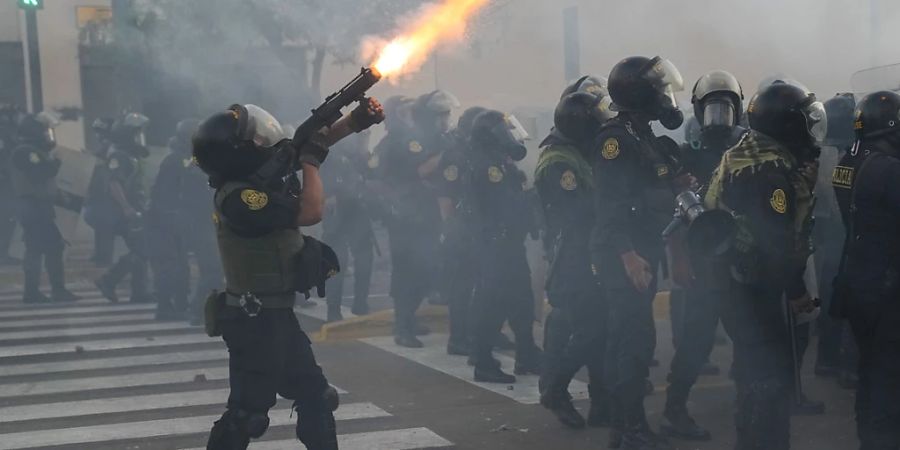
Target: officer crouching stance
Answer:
pixel 266 261
pixel 766 181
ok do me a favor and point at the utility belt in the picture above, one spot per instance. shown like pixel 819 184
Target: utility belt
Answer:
pixel 249 303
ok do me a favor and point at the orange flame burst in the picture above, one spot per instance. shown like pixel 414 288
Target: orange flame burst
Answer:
pixel 444 22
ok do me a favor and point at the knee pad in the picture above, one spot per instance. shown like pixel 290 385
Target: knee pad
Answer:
pixel 331 399
pixel 240 422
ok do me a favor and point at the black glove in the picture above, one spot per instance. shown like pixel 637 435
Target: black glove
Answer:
pixel 368 113
pixel 313 152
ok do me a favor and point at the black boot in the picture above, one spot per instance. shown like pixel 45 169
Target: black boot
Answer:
pixel 457 348
pixel 598 415
pixel 107 288
pixel 528 361
pixel 642 438
pixel 559 402
pixel 35 296
pixel 676 421
pixel 63 295
pixel 490 373
pixel 360 308
pixel 803 406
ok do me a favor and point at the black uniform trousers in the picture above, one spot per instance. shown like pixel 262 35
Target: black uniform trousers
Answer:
pixel 134 262
pixel 754 317
pixel 269 354
pixel 414 251
pixel 7 219
pixel 875 320
pixel 44 244
pixel 168 256
pixel 355 239
pixel 200 242
pixel 575 334
pixel 503 293
pixel 458 287
pixel 696 333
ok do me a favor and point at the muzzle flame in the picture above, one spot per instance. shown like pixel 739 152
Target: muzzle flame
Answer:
pixel 433 25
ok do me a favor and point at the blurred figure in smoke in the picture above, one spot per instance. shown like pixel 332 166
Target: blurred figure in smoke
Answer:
pixel 127 191
pixel 457 238
pixel 836 355
pixel 869 280
pixel 9 117
pixel 636 177
pixel 575 330
pixel 34 171
pixel 100 208
pixel 718 107
pixel 504 217
pixel 168 224
pixel 410 154
pixel 348 222
pixel 766 182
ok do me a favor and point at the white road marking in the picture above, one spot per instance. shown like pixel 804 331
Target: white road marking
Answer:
pixel 73 321
pixel 161 428
pixel 84 332
pixel 105 344
pixel 435 356
pixel 112 381
pixel 76 309
pixel 405 439
pixel 113 363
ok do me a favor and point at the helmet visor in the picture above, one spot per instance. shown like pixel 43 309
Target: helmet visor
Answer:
pixel 662 73
pixel 262 128
pixel 603 109
pixel 718 114
pixel 816 120
pixel 515 129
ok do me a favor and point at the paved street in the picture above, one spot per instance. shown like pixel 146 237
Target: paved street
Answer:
pixel 95 375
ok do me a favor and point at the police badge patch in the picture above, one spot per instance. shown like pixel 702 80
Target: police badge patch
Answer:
pixel 255 200
pixel 451 173
pixel 568 181
pixel 113 164
pixel 610 149
pixel 779 201
pixel 34 158
pixel 495 175
pixel 415 147
pixel 188 162
pixel 374 162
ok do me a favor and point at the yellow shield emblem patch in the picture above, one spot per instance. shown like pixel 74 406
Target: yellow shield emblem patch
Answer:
pixel 113 164
pixel 451 173
pixel 255 200
pixel 34 158
pixel 779 201
pixel 568 181
pixel 495 174
pixel 610 149
pixel 415 147
pixel 374 162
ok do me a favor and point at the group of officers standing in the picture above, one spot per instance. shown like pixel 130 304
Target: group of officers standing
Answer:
pixel 457 212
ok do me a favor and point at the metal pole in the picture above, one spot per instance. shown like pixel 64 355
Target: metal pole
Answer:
pixel 571 43
pixel 34 91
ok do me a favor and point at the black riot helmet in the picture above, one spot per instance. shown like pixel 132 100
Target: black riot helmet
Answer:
pixel 579 115
pixel 495 131
pixel 37 130
pixel 588 83
pixel 840 111
pixel 647 86
pixel 878 116
pixel 788 113
pixel 432 111
pixel 184 131
pixel 397 113
pixel 233 144
pixel 466 120
pixel 718 100
pixel 128 134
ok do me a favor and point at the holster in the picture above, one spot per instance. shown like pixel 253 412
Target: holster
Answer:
pixel 315 264
pixel 212 310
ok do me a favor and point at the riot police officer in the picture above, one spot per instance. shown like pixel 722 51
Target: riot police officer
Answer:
pixel 126 188
pixel 34 170
pixel 409 159
pixel 502 210
pixel 167 229
pixel 457 234
pixel 267 260
pixel 717 99
pixel 9 117
pixel 766 182
pixel 575 329
pixel 635 176
pixel 870 273
pixel 99 208
pixel 348 222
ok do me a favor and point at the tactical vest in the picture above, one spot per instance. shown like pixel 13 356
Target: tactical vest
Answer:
pixel 264 266
pixel 753 152
pixel 571 157
pixel 26 186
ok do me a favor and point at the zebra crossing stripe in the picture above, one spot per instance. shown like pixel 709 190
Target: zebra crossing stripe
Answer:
pixel 112 381
pixel 161 428
pixel 74 321
pixel 105 344
pixel 83 332
pixel 84 301
pixel 75 309
pixel 405 439
pixel 434 356
pixel 113 363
